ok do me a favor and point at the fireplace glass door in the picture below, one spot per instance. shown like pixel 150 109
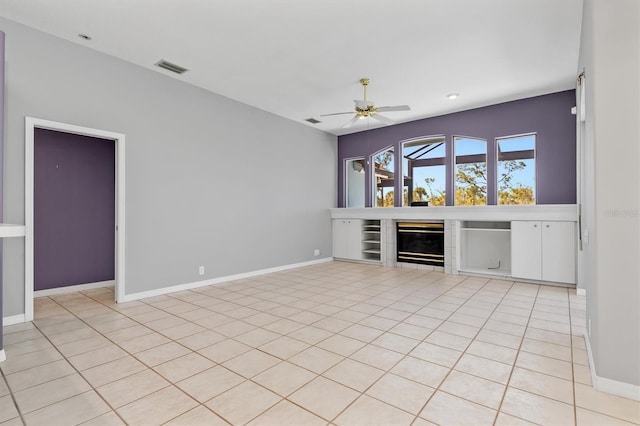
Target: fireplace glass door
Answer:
pixel 421 243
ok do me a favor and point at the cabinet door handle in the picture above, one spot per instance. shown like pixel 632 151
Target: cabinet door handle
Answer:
pixel 548 226
pixel 535 226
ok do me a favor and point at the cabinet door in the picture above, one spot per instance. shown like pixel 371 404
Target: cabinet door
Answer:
pixel 347 238
pixel 558 252
pixel 340 238
pixel 354 239
pixel 526 250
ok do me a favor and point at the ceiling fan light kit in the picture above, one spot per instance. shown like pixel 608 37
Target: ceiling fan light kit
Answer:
pixel 365 109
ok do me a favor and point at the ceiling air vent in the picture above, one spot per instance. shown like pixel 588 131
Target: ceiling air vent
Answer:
pixel 312 120
pixel 171 67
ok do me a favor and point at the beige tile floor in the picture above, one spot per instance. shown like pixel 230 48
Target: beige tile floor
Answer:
pixel 335 343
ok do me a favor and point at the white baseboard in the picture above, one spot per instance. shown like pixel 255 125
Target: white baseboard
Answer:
pixel 581 291
pixel 14 319
pixel 73 288
pixel 3 356
pixel 602 384
pixel 220 280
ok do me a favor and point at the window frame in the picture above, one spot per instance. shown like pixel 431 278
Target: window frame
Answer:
pixel 374 181
pixel 454 166
pixel 535 165
pixel 438 161
pixel 346 172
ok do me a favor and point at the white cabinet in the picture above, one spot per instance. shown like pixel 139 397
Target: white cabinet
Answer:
pixel 347 238
pixel 543 250
pixel 526 250
pixel 559 252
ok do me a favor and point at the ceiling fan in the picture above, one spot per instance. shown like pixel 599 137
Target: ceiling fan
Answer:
pixel 366 108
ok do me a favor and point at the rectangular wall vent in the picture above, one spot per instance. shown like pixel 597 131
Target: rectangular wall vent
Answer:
pixel 312 120
pixel 171 67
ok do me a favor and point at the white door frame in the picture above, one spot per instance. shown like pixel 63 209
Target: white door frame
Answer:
pixel 119 139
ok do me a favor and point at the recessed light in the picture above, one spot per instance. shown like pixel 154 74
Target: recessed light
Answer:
pixel 453 95
pixel 84 37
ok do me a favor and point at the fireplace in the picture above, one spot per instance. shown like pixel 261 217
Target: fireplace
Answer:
pixel 420 242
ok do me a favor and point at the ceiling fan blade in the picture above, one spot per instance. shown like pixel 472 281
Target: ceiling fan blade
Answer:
pixel 337 113
pixel 351 122
pixel 383 119
pixel 394 108
pixel 362 104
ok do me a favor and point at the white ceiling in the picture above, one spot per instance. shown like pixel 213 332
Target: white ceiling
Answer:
pixel 303 58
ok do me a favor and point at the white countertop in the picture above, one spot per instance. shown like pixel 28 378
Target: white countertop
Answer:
pixel 8 230
pixel 559 212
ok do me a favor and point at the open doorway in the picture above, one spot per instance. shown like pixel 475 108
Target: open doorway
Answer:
pixel 36 130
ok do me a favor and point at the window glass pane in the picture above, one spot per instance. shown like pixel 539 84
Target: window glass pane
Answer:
pixel 354 174
pixel 384 178
pixel 516 170
pixel 471 171
pixel 424 170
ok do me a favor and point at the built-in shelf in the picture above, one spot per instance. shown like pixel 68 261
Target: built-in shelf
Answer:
pixel 371 240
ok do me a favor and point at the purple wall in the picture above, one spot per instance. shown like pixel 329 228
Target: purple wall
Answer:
pixel 549 116
pixel 74 209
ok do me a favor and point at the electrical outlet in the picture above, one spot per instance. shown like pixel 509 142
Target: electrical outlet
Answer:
pixel 201 270
pixel 316 252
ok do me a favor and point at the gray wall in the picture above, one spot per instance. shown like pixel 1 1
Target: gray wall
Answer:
pixel 608 266
pixel 549 116
pixel 74 209
pixel 210 181
pixel 1 152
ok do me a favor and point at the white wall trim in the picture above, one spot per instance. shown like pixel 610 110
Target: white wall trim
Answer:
pixel 603 384
pixel 581 291
pixel 73 288
pixel 30 125
pixel 3 356
pixel 216 281
pixel 14 319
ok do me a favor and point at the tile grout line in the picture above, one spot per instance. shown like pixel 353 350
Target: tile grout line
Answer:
pixel 13 398
pixel 441 294
pixel 148 367
pixel 171 384
pixel 399 361
pixel 573 375
pixel 76 370
pixel 349 357
pixel 506 388
pixel 382 295
pixel 465 350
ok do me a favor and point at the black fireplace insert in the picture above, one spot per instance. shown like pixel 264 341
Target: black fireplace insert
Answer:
pixel 420 242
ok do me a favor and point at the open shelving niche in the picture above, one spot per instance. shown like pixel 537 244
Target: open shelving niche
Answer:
pixel 485 247
pixel 371 241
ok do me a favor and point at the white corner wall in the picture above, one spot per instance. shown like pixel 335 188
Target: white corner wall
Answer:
pixel 610 262
pixel 209 181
